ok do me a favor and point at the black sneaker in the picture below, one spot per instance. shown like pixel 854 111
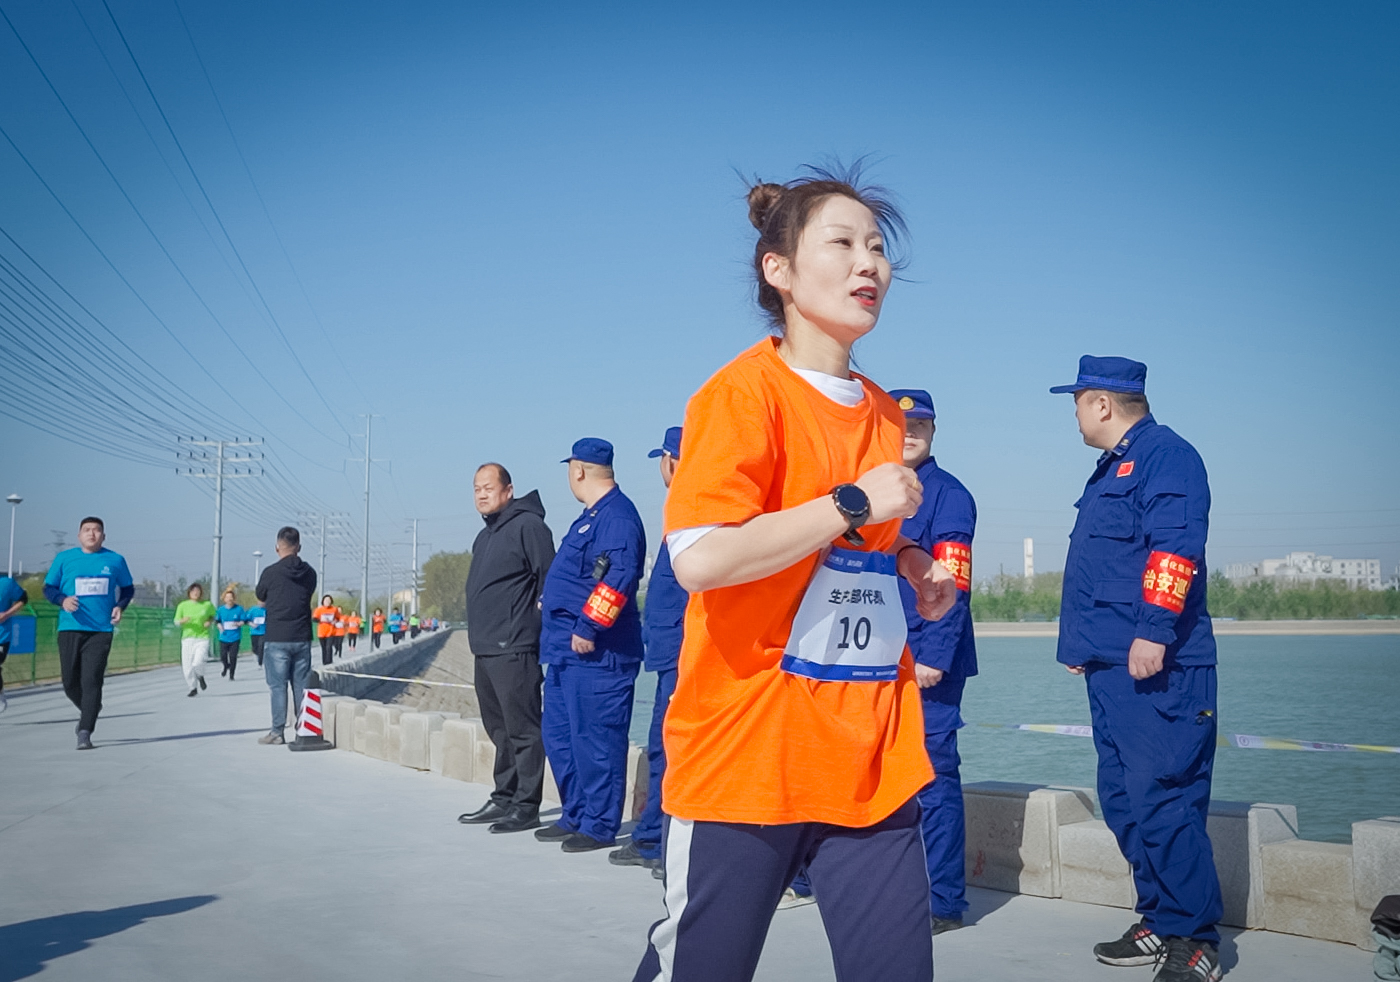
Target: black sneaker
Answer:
pixel 84 740
pixel 1184 960
pixel 553 833
pixel 1138 946
pixel 631 855
pixel 942 925
pixel 202 683
pixel 194 692
pixel 578 842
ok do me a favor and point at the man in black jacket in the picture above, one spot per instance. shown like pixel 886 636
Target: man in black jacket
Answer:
pixel 509 560
pixel 285 589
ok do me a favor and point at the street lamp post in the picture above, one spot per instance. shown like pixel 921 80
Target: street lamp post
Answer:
pixel 257 565
pixel 14 501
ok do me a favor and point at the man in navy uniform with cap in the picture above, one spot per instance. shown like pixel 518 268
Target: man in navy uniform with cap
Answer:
pixel 945 655
pixel 591 639
pixel 663 624
pixel 1133 622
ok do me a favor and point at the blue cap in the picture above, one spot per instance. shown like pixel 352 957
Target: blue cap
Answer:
pixel 916 403
pixel 591 450
pixel 1113 374
pixel 670 445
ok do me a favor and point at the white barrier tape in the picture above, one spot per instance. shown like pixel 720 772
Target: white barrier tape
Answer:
pixel 1239 741
pixel 392 678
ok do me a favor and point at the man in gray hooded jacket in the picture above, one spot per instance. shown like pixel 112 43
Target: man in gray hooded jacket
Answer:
pixel 510 558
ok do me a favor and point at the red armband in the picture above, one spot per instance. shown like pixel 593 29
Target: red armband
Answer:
pixel 956 558
pixel 603 605
pixel 1167 580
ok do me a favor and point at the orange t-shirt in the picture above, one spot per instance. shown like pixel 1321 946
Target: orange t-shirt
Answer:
pixel 746 741
pixel 353 624
pixel 377 624
pixel 340 625
pixel 325 621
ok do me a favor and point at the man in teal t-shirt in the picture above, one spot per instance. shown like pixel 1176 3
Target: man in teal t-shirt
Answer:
pixel 231 618
pixel 92 586
pixel 256 619
pixel 12 601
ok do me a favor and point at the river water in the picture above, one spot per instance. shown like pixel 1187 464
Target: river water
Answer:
pixel 1329 689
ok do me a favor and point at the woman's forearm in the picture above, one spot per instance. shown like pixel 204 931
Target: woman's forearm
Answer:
pixel 762 546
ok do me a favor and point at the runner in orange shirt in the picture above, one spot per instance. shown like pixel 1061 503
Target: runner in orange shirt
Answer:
pixel 376 628
pixel 342 625
pixel 352 629
pixel 324 616
pixel 795 735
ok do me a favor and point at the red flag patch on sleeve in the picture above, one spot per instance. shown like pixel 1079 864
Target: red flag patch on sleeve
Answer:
pixel 1167 580
pixel 956 558
pixel 603 605
pixel 1125 468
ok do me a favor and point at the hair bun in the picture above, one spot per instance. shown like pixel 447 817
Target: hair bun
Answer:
pixel 763 198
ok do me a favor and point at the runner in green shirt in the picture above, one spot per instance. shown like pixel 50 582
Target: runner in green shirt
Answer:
pixel 194 616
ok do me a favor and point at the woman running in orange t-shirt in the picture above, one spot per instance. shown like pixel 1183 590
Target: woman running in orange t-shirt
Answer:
pixel 795 736
pixel 324 616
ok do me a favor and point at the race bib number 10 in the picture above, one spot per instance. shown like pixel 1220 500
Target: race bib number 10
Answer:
pixel 90 586
pixel 850 626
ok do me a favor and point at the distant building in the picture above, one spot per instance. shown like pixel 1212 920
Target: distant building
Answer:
pixel 1309 567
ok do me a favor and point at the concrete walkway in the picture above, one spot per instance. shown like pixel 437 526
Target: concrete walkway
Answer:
pixel 181 849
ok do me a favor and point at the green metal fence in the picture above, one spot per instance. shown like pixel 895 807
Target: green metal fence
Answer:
pixel 146 637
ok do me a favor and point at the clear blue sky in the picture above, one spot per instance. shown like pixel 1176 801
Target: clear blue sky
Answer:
pixel 521 225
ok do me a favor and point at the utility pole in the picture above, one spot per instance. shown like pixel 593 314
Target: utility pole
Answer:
pixel 364 565
pixel 219 459
pixel 415 567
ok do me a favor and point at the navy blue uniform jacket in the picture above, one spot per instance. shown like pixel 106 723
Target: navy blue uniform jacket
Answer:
pixel 664 618
pixel 610 528
pixel 948 514
pixel 1148 494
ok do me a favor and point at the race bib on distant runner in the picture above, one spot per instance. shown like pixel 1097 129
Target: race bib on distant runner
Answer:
pixel 90 586
pixel 850 626
pixel 259 621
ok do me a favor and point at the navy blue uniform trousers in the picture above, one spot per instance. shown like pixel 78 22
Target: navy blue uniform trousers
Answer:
pixel 587 712
pixel 647 834
pixel 724 881
pixel 1156 745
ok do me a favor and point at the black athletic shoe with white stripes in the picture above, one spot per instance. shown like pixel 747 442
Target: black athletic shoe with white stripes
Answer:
pixel 1184 960
pixel 1137 946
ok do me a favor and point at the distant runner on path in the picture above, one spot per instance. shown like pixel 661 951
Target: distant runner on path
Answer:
pixel 231 617
pixel 12 601
pixel 195 616
pixel 324 616
pixel 286 588
pixel 93 586
pixel 257 630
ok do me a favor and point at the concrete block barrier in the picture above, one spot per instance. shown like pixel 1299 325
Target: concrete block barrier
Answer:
pixel 551 789
pixel 1308 890
pixel 1375 858
pixel 435 751
pixel 1092 868
pixel 361 730
pixel 328 713
pixel 345 712
pixel 1013 834
pixel 376 731
pixel 484 761
pixel 415 732
pixel 1238 832
pixel 459 748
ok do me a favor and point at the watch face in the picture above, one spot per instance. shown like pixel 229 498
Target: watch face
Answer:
pixel 852 499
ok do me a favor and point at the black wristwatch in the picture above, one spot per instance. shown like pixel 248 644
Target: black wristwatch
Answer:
pixel 854 506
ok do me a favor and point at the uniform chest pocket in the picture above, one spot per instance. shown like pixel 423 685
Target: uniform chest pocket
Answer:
pixel 1114 513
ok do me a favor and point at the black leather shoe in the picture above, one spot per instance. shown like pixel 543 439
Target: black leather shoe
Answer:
pixel 578 842
pixel 485 815
pixel 553 833
pixel 519 820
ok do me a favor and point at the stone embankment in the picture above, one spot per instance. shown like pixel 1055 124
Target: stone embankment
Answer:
pixel 1038 840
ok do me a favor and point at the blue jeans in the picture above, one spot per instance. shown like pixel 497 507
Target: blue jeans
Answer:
pixel 284 662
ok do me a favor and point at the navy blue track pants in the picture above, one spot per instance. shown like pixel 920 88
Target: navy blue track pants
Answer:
pixel 1156 745
pixel 587 712
pixel 724 881
pixel 647 834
